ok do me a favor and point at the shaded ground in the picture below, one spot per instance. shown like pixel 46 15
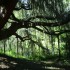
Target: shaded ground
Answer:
pixel 10 63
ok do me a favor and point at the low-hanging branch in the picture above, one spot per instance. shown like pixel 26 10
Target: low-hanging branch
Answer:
pixel 40 45
pixel 21 38
pixel 49 24
pixel 43 17
pixel 26 38
pixel 56 33
pixel 5 33
pixel 49 33
pixel 64 31
pixel 33 24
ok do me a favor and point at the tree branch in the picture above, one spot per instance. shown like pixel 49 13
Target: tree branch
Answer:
pixel 10 8
pixel 21 38
pixel 40 45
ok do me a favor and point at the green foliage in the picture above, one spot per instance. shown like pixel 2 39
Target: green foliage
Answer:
pixel 39 44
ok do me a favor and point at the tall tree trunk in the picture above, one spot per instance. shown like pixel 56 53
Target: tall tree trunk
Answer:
pixel 21 47
pixel 59 56
pixel 17 47
pixel 52 42
pixel 4 46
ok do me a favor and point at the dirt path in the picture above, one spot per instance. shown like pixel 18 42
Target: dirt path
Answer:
pixel 10 63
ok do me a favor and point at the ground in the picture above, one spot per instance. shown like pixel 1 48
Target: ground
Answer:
pixel 11 63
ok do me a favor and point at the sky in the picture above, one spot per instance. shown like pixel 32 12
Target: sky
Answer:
pixel 25 1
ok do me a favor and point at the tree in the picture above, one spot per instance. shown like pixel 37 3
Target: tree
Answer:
pixel 47 16
pixel 56 8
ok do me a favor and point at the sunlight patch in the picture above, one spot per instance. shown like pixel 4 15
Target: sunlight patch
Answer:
pixel 54 68
pixel 2 65
pixel 13 62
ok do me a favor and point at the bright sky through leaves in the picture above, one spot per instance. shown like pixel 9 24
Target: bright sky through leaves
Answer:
pixel 25 1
